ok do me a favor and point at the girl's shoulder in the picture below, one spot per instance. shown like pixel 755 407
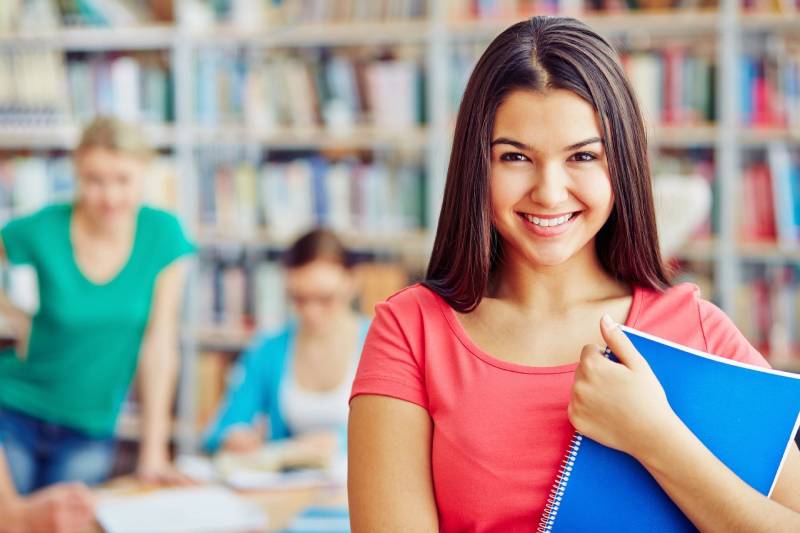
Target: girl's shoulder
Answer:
pixel 271 344
pixel 413 299
pixel 681 314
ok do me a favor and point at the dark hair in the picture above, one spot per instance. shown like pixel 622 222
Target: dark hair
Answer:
pixel 317 244
pixel 538 54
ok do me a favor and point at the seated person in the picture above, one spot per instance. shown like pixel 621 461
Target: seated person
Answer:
pixel 57 509
pixel 297 381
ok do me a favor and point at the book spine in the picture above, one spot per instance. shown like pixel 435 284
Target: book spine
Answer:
pixel 550 513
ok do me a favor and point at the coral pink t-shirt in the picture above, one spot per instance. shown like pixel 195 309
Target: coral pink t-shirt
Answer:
pixel 500 429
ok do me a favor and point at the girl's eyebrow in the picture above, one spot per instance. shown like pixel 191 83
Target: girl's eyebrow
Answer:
pixel 525 147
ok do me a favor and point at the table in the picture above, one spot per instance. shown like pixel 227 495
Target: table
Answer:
pixel 281 506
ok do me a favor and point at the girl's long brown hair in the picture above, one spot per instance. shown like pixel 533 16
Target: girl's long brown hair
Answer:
pixel 538 54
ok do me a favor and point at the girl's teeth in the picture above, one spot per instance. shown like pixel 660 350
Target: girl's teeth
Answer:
pixel 548 222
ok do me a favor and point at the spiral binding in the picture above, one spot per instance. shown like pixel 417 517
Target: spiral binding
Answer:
pixel 559 486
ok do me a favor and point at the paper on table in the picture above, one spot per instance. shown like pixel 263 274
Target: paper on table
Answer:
pixel 185 510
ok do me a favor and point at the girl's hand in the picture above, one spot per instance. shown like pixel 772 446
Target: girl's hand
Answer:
pixel 165 474
pixel 57 509
pixel 318 448
pixel 244 439
pixel 21 325
pixel 621 405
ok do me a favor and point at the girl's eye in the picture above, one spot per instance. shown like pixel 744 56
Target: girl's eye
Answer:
pixel 584 157
pixel 513 156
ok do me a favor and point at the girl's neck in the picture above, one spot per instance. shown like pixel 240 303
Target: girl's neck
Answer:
pixel 554 289
pixel 340 325
pixel 95 229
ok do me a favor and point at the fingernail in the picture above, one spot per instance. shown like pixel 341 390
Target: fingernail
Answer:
pixel 609 322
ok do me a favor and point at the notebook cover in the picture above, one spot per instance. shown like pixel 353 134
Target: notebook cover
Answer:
pixel 747 416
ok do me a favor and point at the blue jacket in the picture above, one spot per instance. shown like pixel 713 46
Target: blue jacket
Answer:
pixel 254 386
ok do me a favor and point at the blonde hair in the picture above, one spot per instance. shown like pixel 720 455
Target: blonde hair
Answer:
pixel 116 135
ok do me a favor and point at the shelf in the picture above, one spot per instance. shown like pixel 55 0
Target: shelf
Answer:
pixel 697 251
pixel 706 136
pixel 66 136
pixel 359 137
pixel 754 136
pixel 789 365
pixel 408 243
pixel 772 22
pixel 683 137
pixel 157 37
pixel 309 35
pixel 161 37
pixel 223 339
pixel 768 253
pixel 664 23
pixel 760 253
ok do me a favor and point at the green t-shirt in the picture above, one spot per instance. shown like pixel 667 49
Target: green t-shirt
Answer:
pixel 85 338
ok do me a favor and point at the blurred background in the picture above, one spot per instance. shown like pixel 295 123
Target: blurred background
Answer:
pixel 272 116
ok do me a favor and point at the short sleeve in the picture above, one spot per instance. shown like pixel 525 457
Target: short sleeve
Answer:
pixel 388 365
pixel 172 239
pixel 723 338
pixel 19 238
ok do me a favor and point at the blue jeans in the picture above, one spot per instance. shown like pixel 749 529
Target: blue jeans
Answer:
pixel 41 453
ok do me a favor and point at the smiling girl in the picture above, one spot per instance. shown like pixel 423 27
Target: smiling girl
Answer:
pixel 471 384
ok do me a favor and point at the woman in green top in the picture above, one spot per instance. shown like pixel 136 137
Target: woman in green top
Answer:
pixel 111 275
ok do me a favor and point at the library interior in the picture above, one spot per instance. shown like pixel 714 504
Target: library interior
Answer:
pixel 240 182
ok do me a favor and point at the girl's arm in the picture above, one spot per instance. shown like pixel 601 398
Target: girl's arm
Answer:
pixel 236 425
pixel 157 374
pixel 18 320
pixel 623 406
pixel 389 460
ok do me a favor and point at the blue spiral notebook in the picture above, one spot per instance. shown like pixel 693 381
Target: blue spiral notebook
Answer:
pixel 747 416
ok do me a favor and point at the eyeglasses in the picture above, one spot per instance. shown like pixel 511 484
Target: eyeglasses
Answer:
pixel 321 299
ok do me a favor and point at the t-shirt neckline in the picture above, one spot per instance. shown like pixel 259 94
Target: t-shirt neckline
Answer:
pixel 125 266
pixel 463 337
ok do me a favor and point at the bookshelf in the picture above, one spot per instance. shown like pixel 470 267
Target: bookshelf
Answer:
pixel 431 44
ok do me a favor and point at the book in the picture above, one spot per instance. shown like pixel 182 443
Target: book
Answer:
pixel 786 193
pixel 135 87
pixel 179 510
pixel 310 90
pixel 766 310
pixel 747 416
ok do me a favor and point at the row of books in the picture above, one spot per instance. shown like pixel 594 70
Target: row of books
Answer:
pixel 27 183
pixel 318 89
pixel 281 198
pixel 244 292
pixel 675 84
pixel 768 310
pixel 294 12
pixel 770 88
pixel 510 9
pixel 770 198
pixel 41 87
pixel 37 15
pixel 134 87
pixel 32 87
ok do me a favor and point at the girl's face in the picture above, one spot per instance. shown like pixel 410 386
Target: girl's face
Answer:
pixel 319 291
pixel 109 184
pixel 549 183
